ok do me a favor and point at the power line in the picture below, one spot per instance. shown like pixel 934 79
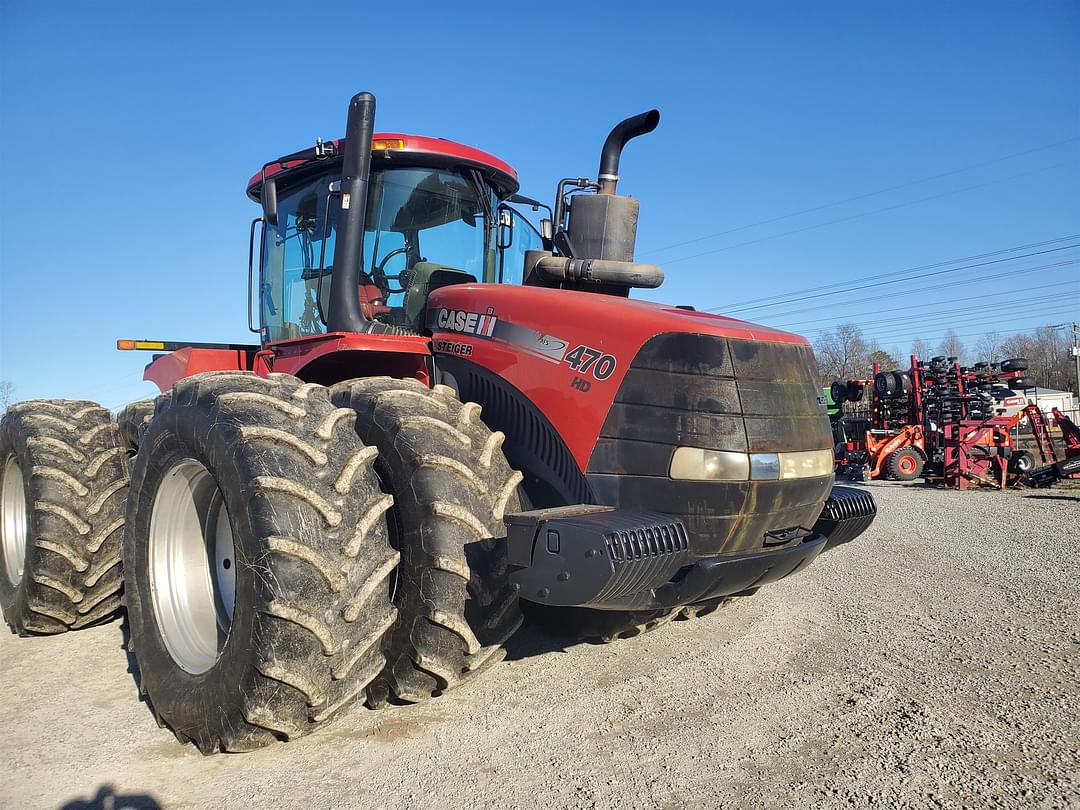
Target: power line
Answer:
pixel 874 211
pixel 922 306
pixel 970 321
pixel 910 278
pixel 944 323
pixel 1008 332
pixel 904 271
pixel 1050 268
pixel 862 196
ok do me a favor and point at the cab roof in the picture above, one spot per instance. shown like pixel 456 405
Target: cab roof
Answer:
pixel 390 145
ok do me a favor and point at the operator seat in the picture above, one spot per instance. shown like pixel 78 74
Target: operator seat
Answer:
pixel 372 299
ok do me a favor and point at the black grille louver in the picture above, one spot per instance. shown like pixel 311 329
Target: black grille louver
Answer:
pixel 645 556
pixel 848 513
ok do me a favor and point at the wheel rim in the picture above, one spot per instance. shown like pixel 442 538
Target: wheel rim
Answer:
pixel 192 566
pixel 907 465
pixel 13 526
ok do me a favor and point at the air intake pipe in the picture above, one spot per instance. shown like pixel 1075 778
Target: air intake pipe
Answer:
pixel 345 314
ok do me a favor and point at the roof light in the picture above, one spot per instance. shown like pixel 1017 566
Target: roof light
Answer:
pixel 387 143
pixel 141 345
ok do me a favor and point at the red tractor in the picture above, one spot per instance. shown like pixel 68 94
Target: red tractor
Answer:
pixel 447 413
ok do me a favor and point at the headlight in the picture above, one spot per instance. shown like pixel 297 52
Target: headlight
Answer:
pixel 807 464
pixel 697 464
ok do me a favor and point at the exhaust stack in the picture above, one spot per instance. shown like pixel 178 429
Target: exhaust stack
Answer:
pixel 345 314
pixel 604 225
pixel 617 139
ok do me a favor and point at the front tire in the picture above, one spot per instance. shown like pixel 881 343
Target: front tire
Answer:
pixel 257 561
pixel 63 480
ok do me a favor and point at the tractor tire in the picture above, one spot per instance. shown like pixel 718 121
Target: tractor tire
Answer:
pixel 451 487
pixel 132 421
pixel 257 561
pixel 855 391
pixel 1016 364
pixel 63 479
pixel 905 464
pixel 1022 462
pixel 1021 383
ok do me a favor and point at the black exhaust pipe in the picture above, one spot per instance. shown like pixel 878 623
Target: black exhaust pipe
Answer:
pixel 609 156
pixel 345 314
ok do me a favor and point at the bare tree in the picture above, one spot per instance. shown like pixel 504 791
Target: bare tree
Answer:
pixel 842 353
pixel 7 394
pixel 988 349
pixel 921 349
pixel 951 345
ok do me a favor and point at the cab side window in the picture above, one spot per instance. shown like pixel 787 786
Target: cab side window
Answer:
pixel 516 235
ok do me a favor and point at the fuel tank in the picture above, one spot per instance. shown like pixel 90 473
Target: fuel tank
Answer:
pixel 642 406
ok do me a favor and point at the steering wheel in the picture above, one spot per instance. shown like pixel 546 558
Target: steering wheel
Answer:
pixel 380 277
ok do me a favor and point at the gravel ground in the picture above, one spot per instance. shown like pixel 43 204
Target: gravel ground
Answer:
pixel 934 662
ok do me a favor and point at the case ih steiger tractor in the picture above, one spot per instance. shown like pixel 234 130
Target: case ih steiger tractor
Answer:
pixel 435 425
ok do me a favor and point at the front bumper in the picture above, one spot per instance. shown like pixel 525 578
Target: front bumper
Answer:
pixel 594 556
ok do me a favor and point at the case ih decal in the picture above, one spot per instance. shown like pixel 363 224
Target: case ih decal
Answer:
pixel 487 325
pixel 468 323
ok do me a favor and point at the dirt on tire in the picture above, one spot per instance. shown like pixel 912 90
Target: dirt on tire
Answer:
pixel 451 487
pixel 312 561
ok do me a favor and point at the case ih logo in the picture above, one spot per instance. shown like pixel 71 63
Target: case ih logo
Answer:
pixel 468 323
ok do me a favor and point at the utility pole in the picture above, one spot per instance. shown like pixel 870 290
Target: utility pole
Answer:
pixel 1076 357
pixel 1074 350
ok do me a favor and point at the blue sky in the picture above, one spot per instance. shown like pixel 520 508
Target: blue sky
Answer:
pixel 128 131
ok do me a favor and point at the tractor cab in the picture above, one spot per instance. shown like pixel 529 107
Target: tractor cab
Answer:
pixel 435 216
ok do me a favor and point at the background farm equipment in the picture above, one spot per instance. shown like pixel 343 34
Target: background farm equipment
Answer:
pixel 938 420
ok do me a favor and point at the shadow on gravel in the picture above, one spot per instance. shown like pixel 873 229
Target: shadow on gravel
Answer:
pixel 538 637
pixel 1075 498
pixel 107 798
pixel 132 665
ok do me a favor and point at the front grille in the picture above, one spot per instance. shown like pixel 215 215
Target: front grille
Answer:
pixel 693 390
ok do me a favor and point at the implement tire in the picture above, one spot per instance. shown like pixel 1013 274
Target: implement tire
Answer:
pixel 451 487
pixel 904 464
pixel 63 480
pixel 257 559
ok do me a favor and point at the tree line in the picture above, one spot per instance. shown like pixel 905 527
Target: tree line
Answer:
pixel 845 353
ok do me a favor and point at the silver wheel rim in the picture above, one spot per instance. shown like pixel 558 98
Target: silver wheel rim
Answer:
pixel 13 526
pixel 192 567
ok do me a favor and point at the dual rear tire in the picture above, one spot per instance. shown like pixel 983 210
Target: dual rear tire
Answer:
pixel 289 555
pixel 257 560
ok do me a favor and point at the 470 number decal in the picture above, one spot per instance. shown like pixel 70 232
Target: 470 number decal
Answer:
pixel 585 360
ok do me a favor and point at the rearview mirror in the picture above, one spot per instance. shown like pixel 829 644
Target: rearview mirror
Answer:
pixel 269 201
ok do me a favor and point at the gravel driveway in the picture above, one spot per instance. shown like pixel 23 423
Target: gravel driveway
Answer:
pixel 933 662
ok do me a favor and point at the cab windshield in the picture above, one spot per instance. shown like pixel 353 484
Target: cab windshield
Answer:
pixel 425 228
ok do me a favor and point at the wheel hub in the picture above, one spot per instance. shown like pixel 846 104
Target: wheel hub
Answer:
pixel 13 527
pixel 192 567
